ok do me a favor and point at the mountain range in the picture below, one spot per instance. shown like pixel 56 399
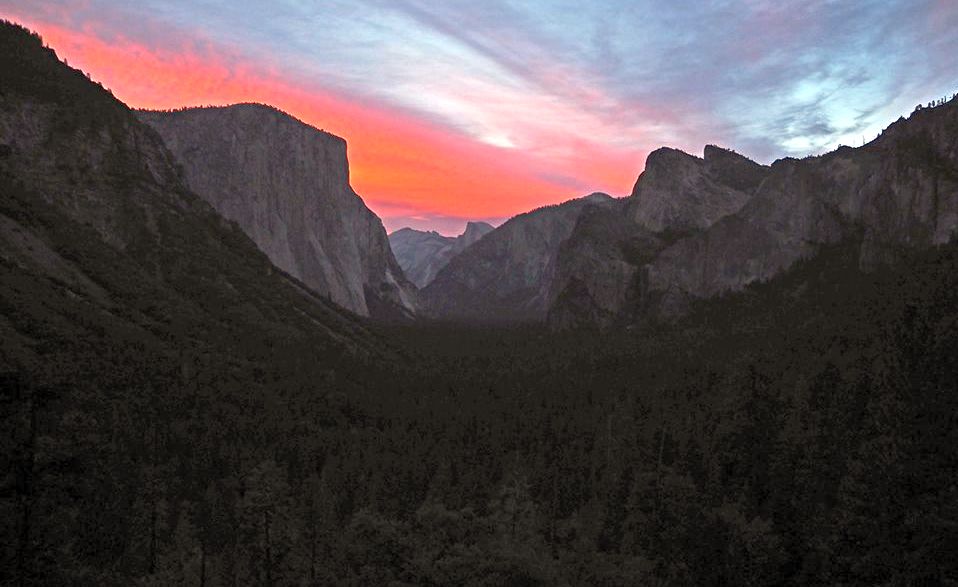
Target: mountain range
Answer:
pixel 697 228
pixel 692 228
pixel 507 275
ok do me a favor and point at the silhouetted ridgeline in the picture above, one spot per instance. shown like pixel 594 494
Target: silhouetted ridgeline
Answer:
pixel 175 410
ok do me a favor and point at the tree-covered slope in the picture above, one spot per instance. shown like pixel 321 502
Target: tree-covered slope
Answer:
pixel 98 225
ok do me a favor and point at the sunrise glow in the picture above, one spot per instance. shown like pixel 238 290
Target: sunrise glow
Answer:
pixel 446 124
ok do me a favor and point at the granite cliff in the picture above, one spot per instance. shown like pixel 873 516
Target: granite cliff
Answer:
pixel 896 193
pixel 286 184
pixel 682 193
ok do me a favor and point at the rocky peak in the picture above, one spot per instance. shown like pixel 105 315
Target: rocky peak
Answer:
pixel 474 231
pixel 733 169
pixel 681 192
pixel 714 154
pixel 665 159
pixel 677 195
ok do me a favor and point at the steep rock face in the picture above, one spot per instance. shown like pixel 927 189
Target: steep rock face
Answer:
pixel 900 190
pixel 101 243
pixel 286 184
pixel 596 267
pixel 423 254
pixel 508 274
pixel 682 193
pixel 677 195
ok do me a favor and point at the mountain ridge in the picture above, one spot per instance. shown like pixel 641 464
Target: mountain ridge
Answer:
pixel 178 410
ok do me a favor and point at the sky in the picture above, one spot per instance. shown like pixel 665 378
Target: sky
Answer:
pixel 480 110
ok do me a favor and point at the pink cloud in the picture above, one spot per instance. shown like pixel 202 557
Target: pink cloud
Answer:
pixel 401 163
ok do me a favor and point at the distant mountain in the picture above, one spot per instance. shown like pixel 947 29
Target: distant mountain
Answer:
pixel 507 275
pixel 105 251
pixel 423 254
pixel 286 184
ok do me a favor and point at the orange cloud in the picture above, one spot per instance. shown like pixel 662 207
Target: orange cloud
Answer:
pixel 398 161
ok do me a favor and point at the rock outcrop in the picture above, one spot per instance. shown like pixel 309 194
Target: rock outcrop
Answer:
pixel 677 195
pixel 681 193
pixel 507 276
pixel 286 184
pixel 899 191
pixel 423 254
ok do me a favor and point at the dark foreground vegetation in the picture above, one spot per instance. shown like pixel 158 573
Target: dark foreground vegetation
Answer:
pixel 802 432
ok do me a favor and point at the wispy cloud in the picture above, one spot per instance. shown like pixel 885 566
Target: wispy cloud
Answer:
pixel 484 109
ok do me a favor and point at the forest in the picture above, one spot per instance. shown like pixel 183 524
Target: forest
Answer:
pixel 800 432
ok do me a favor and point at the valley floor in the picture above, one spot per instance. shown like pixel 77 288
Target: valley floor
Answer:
pixel 802 432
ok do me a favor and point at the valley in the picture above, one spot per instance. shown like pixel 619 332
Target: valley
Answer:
pixel 217 368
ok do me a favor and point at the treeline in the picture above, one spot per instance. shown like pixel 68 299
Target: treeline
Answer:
pixel 802 432
pixel 227 105
pixel 935 103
